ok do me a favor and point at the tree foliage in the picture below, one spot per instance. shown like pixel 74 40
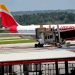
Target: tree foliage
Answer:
pixel 46 18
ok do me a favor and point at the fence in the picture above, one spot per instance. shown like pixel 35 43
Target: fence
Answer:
pixel 37 69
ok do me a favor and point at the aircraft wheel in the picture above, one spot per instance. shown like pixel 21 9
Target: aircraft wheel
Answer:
pixel 40 45
pixel 36 45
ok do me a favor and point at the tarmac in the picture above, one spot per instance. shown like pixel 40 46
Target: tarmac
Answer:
pixel 22 47
pixel 29 47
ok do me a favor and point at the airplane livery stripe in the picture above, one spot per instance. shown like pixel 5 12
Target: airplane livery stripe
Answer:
pixel 13 29
pixel 1 10
pixel 7 14
pixel 4 8
pixel 7 21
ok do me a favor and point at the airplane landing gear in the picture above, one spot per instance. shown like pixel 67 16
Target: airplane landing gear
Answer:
pixel 38 45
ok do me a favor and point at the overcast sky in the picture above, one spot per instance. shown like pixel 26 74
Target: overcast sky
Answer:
pixel 30 5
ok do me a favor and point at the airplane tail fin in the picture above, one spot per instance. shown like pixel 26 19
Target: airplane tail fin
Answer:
pixel 7 19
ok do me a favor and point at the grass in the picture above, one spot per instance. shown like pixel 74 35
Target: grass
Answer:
pixel 14 41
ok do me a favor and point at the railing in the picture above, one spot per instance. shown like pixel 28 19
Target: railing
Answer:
pixel 37 69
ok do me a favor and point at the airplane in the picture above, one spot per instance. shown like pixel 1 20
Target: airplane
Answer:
pixel 9 23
